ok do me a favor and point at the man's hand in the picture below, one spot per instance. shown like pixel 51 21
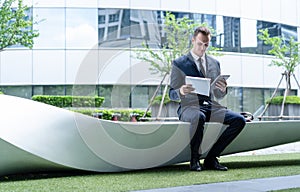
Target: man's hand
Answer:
pixel 221 85
pixel 186 89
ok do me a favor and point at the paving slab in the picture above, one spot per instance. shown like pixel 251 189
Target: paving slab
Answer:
pixel 252 185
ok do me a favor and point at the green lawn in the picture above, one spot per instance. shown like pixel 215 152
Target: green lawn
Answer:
pixel 240 168
pixel 289 190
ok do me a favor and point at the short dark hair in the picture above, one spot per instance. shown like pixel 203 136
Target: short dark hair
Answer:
pixel 204 30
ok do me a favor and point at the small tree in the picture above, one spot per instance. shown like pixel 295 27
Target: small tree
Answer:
pixel 287 56
pixel 178 37
pixel 16 25
pixel 286 52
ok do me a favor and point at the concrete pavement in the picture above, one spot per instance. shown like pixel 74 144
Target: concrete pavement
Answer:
pixel 252 185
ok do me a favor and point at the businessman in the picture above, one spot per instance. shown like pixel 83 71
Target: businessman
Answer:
pixel 198 109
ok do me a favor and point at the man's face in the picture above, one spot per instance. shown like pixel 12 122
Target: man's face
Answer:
pixel 200 44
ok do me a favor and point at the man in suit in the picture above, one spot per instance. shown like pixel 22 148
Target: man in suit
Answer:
pixel 198 109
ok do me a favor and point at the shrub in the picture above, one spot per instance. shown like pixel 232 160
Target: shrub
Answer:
pixel 158 99
pixel 107 114
pixel 292 99
pixel 69 101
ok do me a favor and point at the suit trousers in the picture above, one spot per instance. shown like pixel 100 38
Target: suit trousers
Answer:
pixel 198 115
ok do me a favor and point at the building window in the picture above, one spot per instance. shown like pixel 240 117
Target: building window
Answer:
pixel 101 19
pixel 113 18
pixel 54 90
pixel 275 30
pixel 139 97
pixel 19 91
pixel 105 91
pixel 127 27
pixel 112 33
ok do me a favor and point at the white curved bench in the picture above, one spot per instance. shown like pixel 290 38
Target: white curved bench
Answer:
pixel 39 137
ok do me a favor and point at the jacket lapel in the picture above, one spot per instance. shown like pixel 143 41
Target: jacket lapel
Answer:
pixel 194 65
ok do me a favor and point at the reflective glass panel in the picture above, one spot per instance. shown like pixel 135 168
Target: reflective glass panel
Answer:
pixel 19 91
pixel 51 26
pixel 232 38
pixel 233 99
pixel 127 28
pixel 139 97
pixel 120 96
pixel 276 30
pixel 248 35
pixel 105 91
pixel 81 28
pixel 12 21
pixel 54 90
pixel 219 29
pixel 80 3
pixel 49 3
pixel 253 100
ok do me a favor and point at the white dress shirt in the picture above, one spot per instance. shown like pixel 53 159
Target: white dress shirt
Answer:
pixel 203 61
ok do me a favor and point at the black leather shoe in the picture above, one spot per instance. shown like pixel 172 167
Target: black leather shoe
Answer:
pixel 195 165
pixel 213 164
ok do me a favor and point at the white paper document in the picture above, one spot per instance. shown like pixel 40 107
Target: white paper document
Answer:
pixel 201 85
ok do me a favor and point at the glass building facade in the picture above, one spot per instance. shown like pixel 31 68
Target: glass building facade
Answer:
pixel 88 48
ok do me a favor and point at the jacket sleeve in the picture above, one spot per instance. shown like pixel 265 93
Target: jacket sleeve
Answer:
pixel 218 94
pixel 177 79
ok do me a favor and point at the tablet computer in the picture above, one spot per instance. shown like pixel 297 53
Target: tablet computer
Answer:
pixel 225 77
pixel 201 85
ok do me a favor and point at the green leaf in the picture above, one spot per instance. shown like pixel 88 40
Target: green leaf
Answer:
pixel 16 25
pixel 178 33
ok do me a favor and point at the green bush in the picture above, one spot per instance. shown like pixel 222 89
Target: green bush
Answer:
pixel 292 99
pixel 107 114
pixel 158 99
pixel 69 101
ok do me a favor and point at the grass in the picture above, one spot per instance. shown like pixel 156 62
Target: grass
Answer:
pixel 240 168
pixel 289 190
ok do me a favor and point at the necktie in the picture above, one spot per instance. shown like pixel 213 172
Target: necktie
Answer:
pixel 202 66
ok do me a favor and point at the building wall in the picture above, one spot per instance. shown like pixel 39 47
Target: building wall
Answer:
pixel 68 52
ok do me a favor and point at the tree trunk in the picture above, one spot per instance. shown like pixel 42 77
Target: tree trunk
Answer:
pixel 288 81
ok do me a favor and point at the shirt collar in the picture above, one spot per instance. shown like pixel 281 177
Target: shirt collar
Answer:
pixel 196 57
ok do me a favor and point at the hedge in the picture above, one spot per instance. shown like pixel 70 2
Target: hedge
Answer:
pixel 107 114
pixel 69 100
pixel 158 99
pixel 291 99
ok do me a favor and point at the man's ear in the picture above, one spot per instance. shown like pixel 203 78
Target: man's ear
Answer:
pixel 193 40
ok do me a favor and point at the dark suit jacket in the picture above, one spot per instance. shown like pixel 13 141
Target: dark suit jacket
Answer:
pixel 185 66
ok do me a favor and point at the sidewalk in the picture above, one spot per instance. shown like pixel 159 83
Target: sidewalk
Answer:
pixel 252 185
pixel 286 148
